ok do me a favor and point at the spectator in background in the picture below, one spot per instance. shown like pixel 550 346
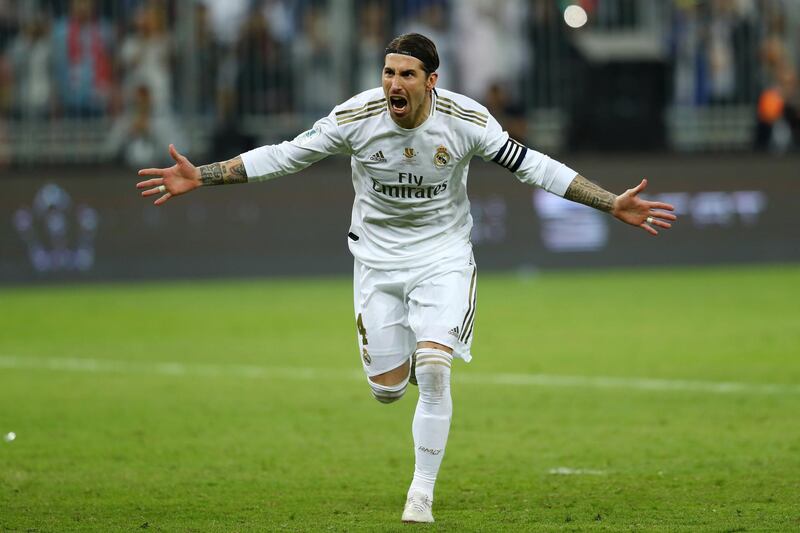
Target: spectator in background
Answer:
pixel 226 19
pixel 509 113
pixel 229 136
pixel 138 135
pixel 775 49
pixel 710 65
pixel 30 56
pixel 745 57
pixel 688 61
pixel 431 18
pixel 312 64
pixel 145 57
pixel 279 16
pixel 720 51
pixel 493 36
pixel 9 17
pixel 552 61
pixel 368 54
pixel 778 110
pixel 263 78
pixel 82 61
pixel 782 23
pixel 206 54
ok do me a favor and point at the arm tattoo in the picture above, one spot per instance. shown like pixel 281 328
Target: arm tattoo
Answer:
pixel 211 174
pixel 231 171
pixel 239 171
pixel 585 192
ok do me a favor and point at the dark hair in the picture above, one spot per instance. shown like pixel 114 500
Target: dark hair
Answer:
pixel 416 45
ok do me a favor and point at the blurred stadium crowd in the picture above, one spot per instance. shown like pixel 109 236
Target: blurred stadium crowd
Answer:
pixel 99 80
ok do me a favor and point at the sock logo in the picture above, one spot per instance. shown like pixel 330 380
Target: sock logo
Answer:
pixel 431 451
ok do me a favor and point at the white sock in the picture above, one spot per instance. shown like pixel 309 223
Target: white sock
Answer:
pixel 432 418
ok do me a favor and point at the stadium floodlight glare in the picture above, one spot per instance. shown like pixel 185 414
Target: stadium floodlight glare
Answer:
pixel 575 16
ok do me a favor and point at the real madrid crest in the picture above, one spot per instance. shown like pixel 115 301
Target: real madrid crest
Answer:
pixel 441 157
pixel 365 356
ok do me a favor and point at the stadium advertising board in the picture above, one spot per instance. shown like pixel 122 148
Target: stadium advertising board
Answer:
pixel 87 224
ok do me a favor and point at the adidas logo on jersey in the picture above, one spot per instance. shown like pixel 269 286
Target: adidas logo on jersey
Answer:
pixel 454 332
pixel 378 157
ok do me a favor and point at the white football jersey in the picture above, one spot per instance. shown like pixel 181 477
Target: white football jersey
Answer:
pixel 411 207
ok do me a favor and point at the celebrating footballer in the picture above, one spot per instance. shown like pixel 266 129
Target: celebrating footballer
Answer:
pixel 414 275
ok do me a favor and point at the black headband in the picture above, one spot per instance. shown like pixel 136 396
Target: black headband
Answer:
pixel 414 53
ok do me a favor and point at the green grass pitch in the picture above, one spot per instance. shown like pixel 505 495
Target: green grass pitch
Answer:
pixel 661 400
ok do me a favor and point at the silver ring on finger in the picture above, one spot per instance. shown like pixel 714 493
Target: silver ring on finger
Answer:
pixel 649 220
pixel 162 188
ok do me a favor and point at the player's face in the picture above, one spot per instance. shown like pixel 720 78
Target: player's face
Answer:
pixel 407 88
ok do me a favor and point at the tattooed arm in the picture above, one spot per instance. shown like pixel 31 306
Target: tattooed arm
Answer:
pixel 585 192
pixel 231 171
pixel 183 176
pixel 627 207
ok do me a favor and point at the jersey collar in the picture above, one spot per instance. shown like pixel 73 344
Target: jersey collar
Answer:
pixel 425 122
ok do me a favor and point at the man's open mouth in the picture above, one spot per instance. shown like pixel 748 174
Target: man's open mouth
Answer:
pixel 398 103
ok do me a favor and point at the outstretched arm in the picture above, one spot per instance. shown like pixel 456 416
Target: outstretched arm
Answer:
pixel 184 177
pixel 627 207
pixel 535 168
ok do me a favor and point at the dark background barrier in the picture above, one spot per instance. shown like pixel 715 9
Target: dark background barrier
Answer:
pixel 88 223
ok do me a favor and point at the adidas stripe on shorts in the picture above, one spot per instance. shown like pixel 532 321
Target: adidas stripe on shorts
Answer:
pixel 396 309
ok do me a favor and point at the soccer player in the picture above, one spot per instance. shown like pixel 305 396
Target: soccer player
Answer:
pixel 414 274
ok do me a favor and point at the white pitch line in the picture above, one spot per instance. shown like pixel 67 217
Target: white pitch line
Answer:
pixel 263 372
pixel 70 364
pixel 603 382
pixel 566 471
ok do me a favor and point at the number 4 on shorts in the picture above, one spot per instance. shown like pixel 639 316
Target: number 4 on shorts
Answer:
pixel 361 330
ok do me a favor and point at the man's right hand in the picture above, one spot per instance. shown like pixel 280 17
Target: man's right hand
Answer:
pixel 178 179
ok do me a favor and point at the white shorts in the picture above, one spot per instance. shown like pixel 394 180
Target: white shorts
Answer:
pixel 397 309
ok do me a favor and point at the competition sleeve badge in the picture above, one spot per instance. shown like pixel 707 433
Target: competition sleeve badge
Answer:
pixel 441 157
pixel 306 137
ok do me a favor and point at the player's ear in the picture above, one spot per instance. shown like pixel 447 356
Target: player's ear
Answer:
pixel 432 77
